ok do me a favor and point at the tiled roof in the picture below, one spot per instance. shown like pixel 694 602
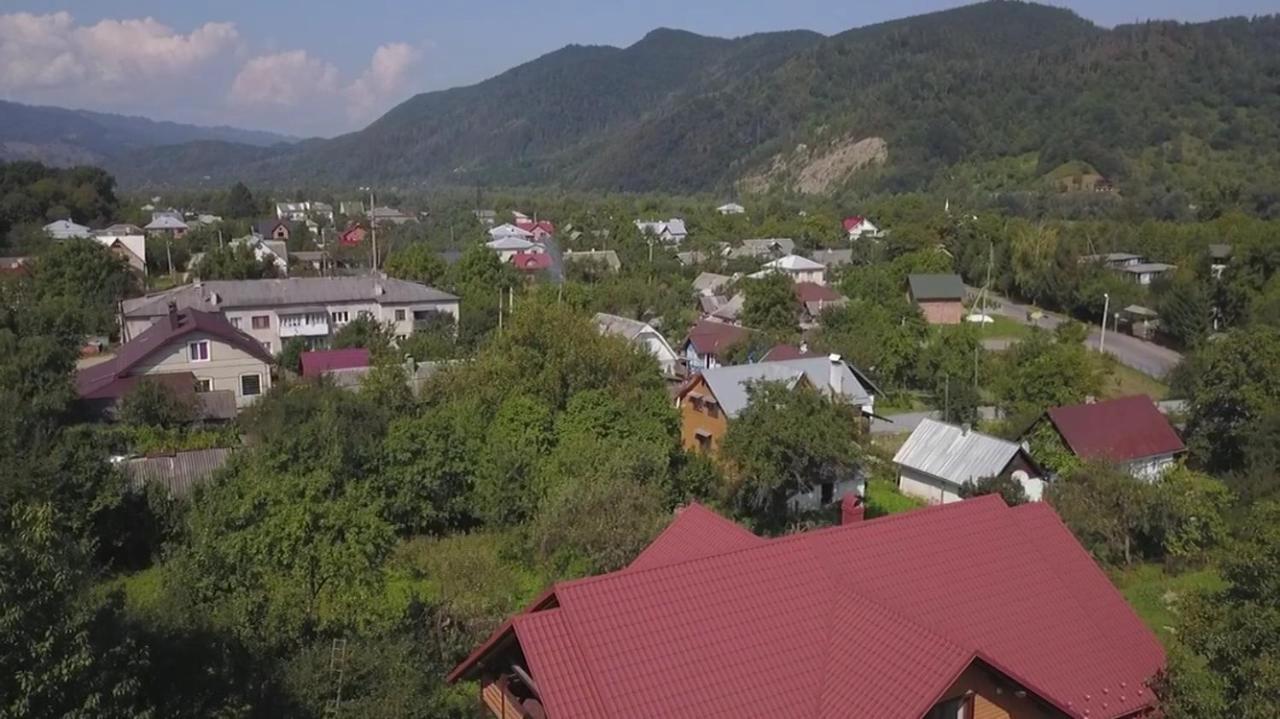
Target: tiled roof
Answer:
pixel 531 261
pixel 871 619
pixel 317 362
pixel 1118 430
pixel 695 532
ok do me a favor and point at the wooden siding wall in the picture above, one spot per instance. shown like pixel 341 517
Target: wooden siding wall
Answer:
pixel 693 420
pixel 949 312
pixel 500 702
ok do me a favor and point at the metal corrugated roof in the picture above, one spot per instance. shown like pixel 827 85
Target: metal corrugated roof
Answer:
pixel 936 287
pixel 730 384
pixel 179 472
pixel 952 453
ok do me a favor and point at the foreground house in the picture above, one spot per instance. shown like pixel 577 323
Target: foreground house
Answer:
pixel 710 400
pixel 939 297
pixel 313 308
pixel 971 610
pixel 1130 432
pixel 938 458
pixel 644 336
pixel 189 351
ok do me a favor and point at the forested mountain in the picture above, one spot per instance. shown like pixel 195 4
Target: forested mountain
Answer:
pixel 57 136
pixel 994 95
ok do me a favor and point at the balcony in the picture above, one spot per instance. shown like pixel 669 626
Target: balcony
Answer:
pixel 304 324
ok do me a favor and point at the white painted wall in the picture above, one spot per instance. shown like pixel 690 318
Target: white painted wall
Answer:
pixel 927 487
pixel 1151 469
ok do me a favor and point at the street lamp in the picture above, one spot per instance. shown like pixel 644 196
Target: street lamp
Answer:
pixel 1106 305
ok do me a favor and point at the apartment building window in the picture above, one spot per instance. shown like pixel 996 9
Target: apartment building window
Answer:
pixel 235 322
pixel 262 322
pixel 250 385
pixel 198 351
pixel 204 384
pixel 400 315
pixel 340 317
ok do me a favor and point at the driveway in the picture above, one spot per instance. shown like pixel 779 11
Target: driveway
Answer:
pixel 1146 357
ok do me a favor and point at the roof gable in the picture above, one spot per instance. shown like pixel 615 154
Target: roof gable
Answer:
pixel 955 454
pixel 709 337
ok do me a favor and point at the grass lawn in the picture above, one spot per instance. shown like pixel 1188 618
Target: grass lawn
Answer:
pixel 884 499
pixel 1003 328
pixel 1125 381
pixel 1154 593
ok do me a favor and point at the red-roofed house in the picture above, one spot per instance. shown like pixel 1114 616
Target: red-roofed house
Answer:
pixel 542 229
pixel 709 341
pixel 1129 431
pixel 317 362
pixel 857 227
pixel 815 298
pixel 873 619
pixel 531 262
pixel 781 353
pixel 192 349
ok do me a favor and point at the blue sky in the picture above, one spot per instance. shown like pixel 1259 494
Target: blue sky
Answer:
pixel 317 67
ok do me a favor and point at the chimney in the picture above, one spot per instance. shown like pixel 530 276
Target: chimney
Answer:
pixel 964 429
pixel 852 509
pixel 836 377
pixel 173 315
pixel 804 347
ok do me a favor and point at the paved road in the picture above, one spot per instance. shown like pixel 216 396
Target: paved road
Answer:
pixel 1146 357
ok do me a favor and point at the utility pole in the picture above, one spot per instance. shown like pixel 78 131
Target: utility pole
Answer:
pixel 1106 307
pixel 373 231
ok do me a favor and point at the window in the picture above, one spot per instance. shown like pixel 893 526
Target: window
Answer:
pixel 958 708
pixel 235 322
pixel 828 493
pixel 400 315
pixel 704 440
pixel 713 409
pixel 198 351
pixel 339 317
pixel 204 384
pixel 262 322
pixel 250 385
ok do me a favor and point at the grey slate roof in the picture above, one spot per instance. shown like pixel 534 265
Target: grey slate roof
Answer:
pixel 1143 267
pixel 217 295
pixel 950 453
pixel 729 384
pixel 624 327
pixel 710 282
pixel 179 472
pixel 936 287
pixel 832 258
pixel 763 248
pixel 1219 251
pixel 608 257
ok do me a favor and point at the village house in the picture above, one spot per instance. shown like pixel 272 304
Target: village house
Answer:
pixel 131 247
pixel 939 458
pixel 710 283
pixel 389 216
pixel 725 309
pixel 166 225
pixel 192 352
pixel 939 297
pixel 858 227
pixel 508 246
pixel 1113 260
pixel 317 363
pixel 273 251
pixel 539 230
pixel 644 336
pixel 796 268
pixel 272 230
pixel 510 231
pixel 709 341
pixel 1219 258
pixel 291 211
pixel 313 308
pixel 971 610
pixel 731 208
pixel 532 261
pixel 1129 432
pixel 832 258
pixel 66 230
pixel 692 257
pixel 759 249
pixel 713 397
pixel 1144 273
pixel 671 232
pixel 607 259
pixel 815 299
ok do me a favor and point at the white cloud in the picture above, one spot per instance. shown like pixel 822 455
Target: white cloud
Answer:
pixel 52 54
pixel 295 80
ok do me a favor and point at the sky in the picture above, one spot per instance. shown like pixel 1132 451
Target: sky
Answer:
pixel 315 67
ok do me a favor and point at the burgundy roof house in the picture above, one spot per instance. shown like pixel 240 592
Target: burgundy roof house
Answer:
pixel 1129 431
pixel 191 352
pixel 873 619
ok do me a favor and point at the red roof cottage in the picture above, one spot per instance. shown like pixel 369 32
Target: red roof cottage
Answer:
pixel 872 619
pixel 708 341
pixel 1129 431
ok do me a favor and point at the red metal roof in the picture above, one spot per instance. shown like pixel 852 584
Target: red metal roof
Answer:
pixel 317 362
pixel 874 619
pixel 813 292
pixel 1118 430
pixel 852 222
pixel 695 532
pixel 110 379
pixel 531 261
pixel 781 353
pixel 709 337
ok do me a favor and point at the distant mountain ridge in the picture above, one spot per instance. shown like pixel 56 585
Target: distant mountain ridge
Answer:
pixel 993 95
pixel 58 136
